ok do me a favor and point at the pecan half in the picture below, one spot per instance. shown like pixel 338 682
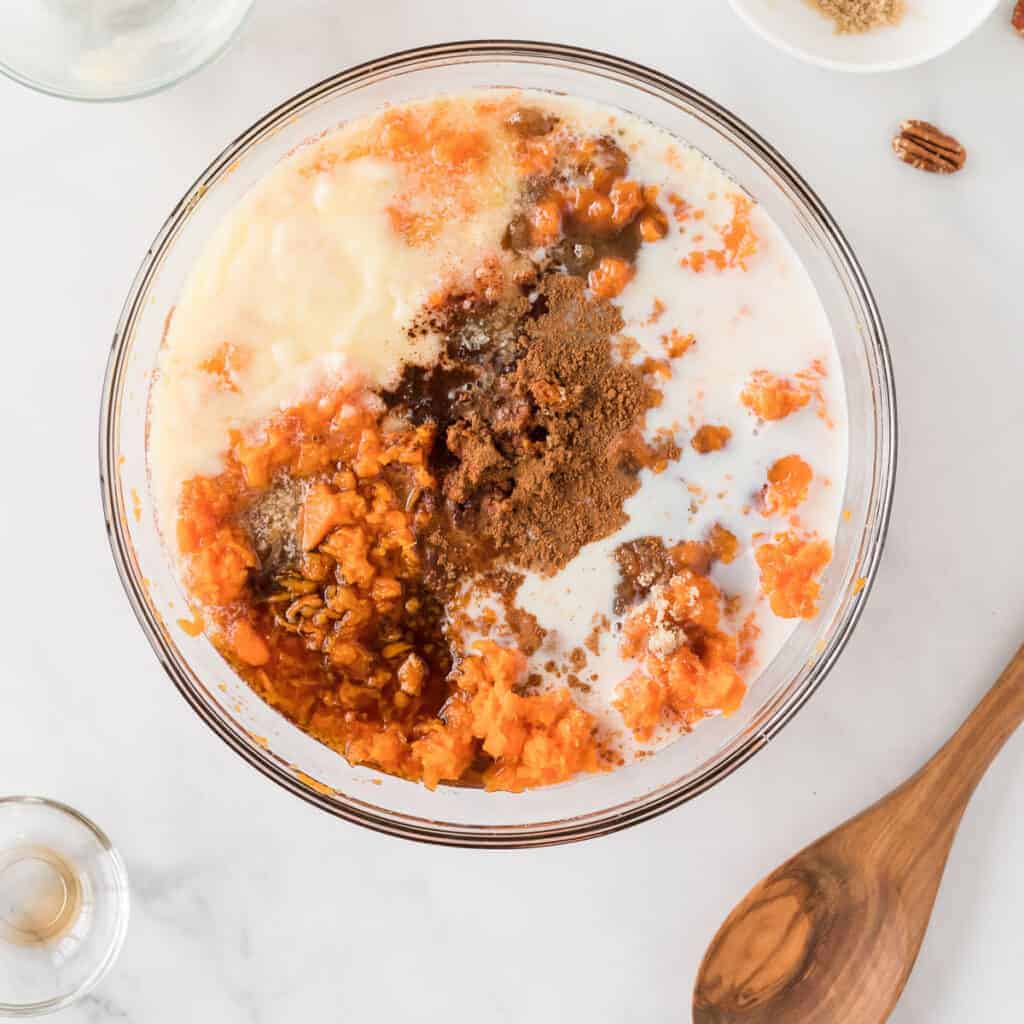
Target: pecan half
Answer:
pixel 922 145
pixel 1018 17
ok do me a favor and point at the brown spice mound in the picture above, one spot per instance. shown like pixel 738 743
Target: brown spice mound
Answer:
pixel 856 16
pixel 538 433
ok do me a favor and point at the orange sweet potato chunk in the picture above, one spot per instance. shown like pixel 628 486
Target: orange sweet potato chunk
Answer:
pixel 609 277
pixel 381 745
pixel 445 750
pixel 260 459
pixel 219 571
pixel 723 543
pixel 710 438
pixel 790 566
pixel 773 398
pixel 739 239
pixel 325 509
pixel 675 343
pixel 770 397
pixel 205 504
pixel 545 221
pixel 789 479
pixel 248 644
pixel 642 702
pixel 693 555
pixel 627 200
pixel 689 665
pixel 534 740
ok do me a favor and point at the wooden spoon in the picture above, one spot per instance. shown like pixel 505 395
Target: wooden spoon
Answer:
pixel 832 935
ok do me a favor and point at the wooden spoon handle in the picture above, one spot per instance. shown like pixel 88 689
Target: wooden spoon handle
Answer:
pixel 958 767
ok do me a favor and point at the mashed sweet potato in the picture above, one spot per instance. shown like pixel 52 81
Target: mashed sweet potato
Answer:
pixel 789 479
pixel 710 438
pixel 344 639
pixel 790 566
pixel 688 663
pixel 534 740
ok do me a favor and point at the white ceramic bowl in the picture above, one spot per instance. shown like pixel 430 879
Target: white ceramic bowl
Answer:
pixel 929 28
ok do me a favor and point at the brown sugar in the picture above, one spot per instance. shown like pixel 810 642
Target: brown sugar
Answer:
pixel 857 16
pixel 522 626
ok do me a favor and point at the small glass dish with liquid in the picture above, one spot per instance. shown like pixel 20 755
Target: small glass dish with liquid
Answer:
pixel 63 905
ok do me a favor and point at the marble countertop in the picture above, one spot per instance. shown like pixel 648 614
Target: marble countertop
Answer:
pixel 250 906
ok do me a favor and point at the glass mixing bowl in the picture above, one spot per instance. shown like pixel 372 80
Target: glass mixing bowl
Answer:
pixel 595 804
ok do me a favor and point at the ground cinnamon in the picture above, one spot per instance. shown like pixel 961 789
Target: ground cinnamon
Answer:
pixel 539 432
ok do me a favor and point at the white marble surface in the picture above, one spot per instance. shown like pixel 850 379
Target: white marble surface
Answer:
pixel 252 907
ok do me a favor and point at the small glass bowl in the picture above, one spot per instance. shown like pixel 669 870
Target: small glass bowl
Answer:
pixel 64 905
pixel 114 50
pixel 588 806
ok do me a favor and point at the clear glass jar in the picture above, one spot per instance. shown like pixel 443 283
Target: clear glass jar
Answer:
pixel 587 806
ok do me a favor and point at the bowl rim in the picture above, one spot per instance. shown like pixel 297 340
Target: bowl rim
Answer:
pixel 743 12
pixel 591 824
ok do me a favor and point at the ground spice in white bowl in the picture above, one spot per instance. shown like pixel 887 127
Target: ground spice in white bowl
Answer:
pixel 865 36
pixel 856 16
